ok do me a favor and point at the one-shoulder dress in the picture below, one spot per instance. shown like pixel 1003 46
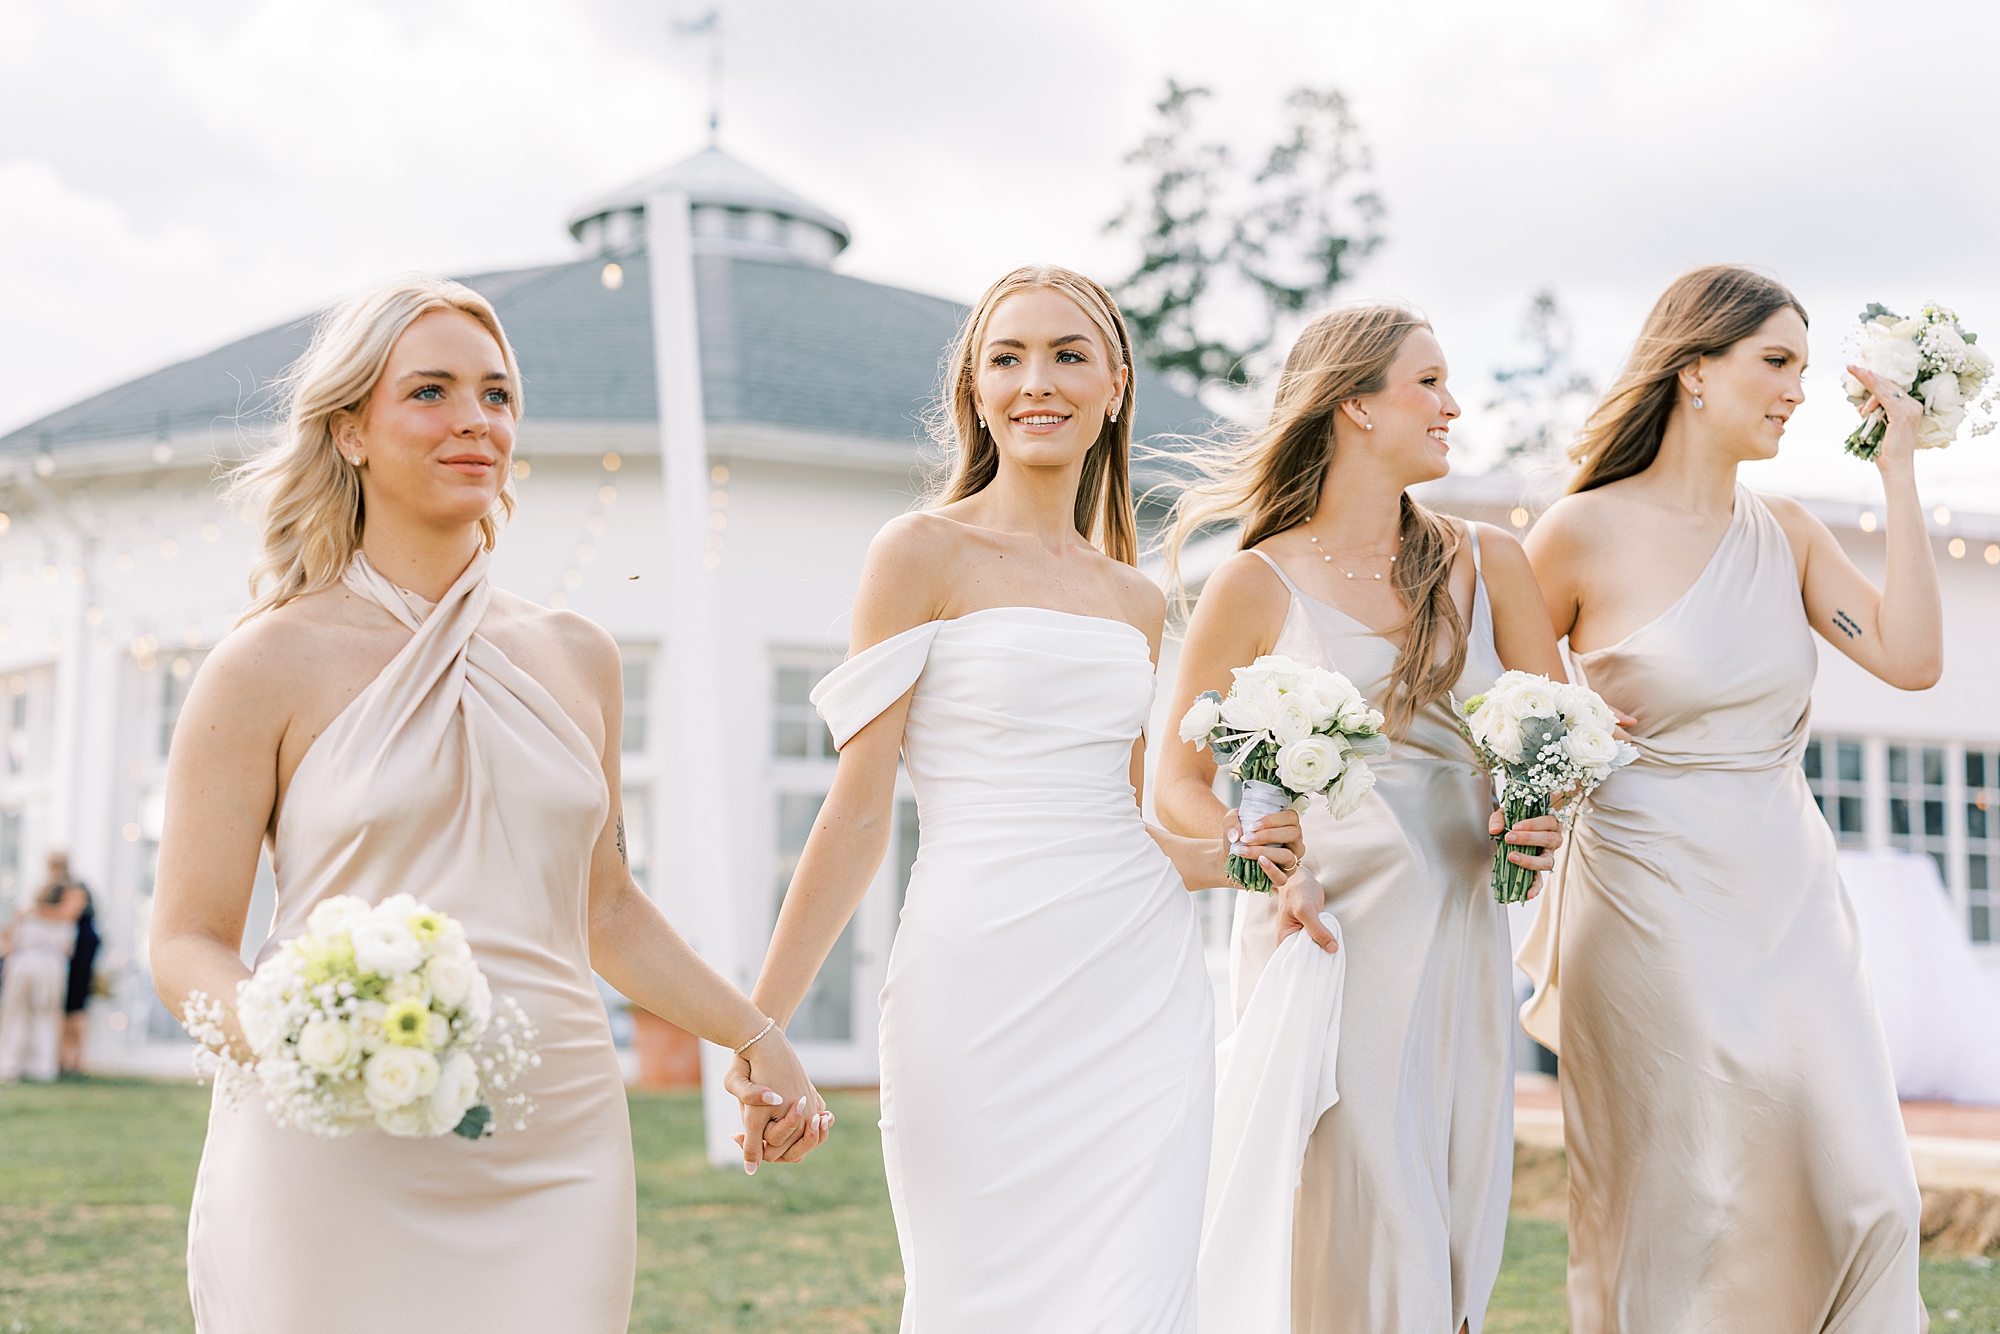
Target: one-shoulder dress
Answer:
pixel 456 778
pixel 1402 1207
pixel 1736 1157
pixel 1048 1047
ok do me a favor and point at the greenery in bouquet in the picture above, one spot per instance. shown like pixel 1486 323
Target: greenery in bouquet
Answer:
pixel 375 1016
pixel 1290 733
pixel 1931 356
pixel 1548 745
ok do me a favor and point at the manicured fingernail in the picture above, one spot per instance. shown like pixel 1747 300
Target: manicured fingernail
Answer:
pixel 800 1105
pixel 749 1168
pixel 772 1098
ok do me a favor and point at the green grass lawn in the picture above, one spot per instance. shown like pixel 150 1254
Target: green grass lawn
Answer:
pixel 95 1179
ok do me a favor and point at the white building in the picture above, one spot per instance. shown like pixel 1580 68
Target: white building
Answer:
pixel 717 422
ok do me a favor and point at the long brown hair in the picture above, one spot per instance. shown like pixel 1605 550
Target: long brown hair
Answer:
pixel 972 460
pixel 1702 313
pixel 305 497
pixel 1270 480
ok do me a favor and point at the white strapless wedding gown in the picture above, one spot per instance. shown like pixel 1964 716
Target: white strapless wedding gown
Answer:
pixel 1048 1049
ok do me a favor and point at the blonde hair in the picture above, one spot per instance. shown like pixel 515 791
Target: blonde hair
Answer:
pixel 305 497
pixel 1702 313
pixel 1104 492
pixel 1270 480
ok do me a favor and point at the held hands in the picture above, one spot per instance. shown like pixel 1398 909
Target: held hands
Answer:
pixel 777 1127
pixel 1538 838
pixel 1903 410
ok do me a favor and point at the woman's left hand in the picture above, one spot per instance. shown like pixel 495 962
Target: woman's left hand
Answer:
pixel 1536 840
pixel 1278 836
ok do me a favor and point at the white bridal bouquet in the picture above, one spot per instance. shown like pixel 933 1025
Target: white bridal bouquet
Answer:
pixel 1929 355
pixel 1290 732
pixel 1547 746
pixel 375 1016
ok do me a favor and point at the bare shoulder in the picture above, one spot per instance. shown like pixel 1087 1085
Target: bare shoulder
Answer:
pixel 280 650
pixel 1577 523
pixel 1144 604
pixel 587 646
pixel 1247 578
pixel 1500 551
pixel 914 542
pixel 1799 523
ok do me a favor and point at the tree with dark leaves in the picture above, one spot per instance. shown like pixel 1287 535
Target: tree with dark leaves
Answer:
pixel 1544 400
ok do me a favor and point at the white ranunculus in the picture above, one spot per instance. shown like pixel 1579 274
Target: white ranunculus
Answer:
pixel 1935 430
pixel 366 1021
pixel 1309 763
pixel 1581 707
pixel 457 1089
pixel 1294 718
pixel 397 908
pixel 450 979
pixel 440 1033
pixel 398 1076
pixel 1533 697
pixel 1891 354
pixel 1252 708
pixel 384 946
pixel 337 914
pixel 412 1121
pixel 1356 716
pixel 1348 791
pixel 1328 693
pixel 1201 719
pixel 1494 726
pixel 477 1012
pixel 1590 747
pixel 407 986
pixel 1280 670
pixel 1940 393
pixel 328 1046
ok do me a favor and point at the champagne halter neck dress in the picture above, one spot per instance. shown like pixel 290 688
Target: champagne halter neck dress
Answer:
pixel 1402 1205
pixel 1736 1156
pixel 454 777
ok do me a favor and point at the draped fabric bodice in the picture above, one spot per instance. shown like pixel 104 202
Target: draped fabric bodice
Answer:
pixel 455 777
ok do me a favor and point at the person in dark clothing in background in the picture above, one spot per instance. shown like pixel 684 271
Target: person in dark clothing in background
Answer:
pixel 76 906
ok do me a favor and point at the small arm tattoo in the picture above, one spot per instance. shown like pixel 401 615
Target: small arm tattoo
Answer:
pixel 621 841
pixel 1846 625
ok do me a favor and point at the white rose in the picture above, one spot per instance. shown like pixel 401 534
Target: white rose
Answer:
pixel 1328 693
pixel 385 947
pixel 366 1021
pixel 1935 430
pixel 457 1089
pixel 409 1122
pixel 1294 719
pixel 1251 709
pixel 1201 718
pixel 1345 796
pixel 337 914
pixel 328 1046
pixel 1309 763
pixel 440 1033
pixel 407 986
pixel 398 1076
pixel 1590 747
pixel 450 979
pixel 477 1012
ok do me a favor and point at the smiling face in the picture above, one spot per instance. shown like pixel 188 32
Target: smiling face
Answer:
pixel 1412 413
pixel 1749 391
pixel 1046 382
pixel 436 435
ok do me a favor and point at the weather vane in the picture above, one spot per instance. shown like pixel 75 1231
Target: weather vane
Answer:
pixel 709 25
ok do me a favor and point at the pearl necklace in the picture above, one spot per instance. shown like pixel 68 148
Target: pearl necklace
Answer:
pixel 1342 568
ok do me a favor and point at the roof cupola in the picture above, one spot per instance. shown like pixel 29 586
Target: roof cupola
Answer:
pixel 735 211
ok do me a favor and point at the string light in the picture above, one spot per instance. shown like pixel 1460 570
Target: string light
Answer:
pixel 1868 521
pixel 1957 548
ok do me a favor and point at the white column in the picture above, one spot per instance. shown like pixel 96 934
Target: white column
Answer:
pixel 695 807
pixel 1955 881
pixel 1875 793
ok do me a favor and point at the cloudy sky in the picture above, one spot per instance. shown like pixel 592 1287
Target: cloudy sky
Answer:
pixel 174 176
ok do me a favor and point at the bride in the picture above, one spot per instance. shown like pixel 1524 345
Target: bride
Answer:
pixel 1047 1043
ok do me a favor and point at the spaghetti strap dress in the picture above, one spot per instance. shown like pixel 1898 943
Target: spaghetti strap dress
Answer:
pixel 1402 1207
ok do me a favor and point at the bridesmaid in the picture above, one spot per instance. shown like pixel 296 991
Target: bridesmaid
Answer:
pixel 384 720
pixel 1048 1050
pixel 1402 1208
pixel 1736 1156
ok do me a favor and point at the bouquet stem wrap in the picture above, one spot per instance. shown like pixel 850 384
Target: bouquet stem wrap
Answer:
pixel 1260 798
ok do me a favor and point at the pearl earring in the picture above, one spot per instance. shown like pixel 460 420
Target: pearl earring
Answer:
pixel 1697 402
pixel 1368 426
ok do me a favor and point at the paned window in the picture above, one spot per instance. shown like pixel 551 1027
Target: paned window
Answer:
pixel 1982 839
pixel 827 1013
pixel 1916 802
pixel 1834 773
pixel 797 732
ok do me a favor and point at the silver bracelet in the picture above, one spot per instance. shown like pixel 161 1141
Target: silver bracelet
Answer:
pixel 769 1024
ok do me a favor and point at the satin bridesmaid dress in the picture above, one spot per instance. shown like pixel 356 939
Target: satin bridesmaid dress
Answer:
pixel 454 777
pixel 1402 1206
pixel 1736 1156
pixel 1048 1031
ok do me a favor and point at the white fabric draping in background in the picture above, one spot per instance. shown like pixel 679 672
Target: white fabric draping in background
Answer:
pixel 1938 1013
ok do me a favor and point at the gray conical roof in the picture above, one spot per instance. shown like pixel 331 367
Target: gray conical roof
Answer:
pixel 713 177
